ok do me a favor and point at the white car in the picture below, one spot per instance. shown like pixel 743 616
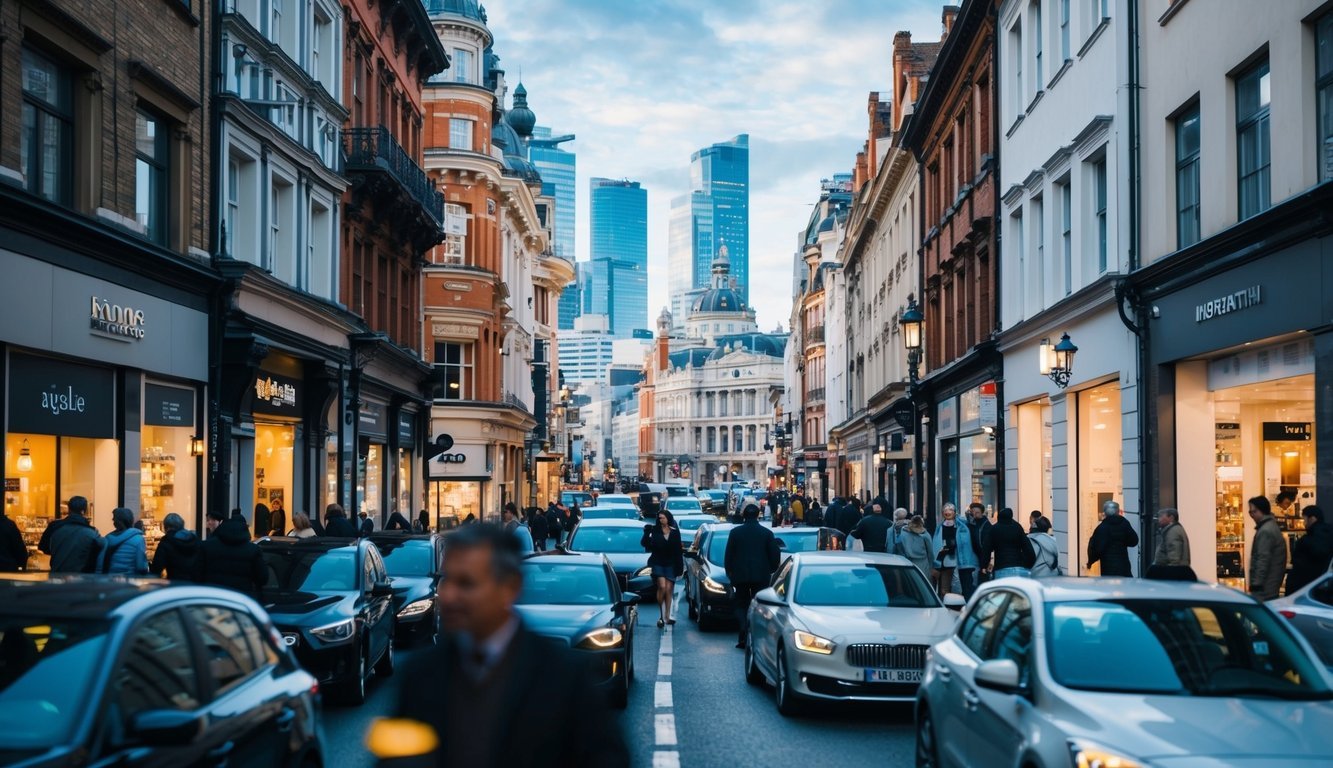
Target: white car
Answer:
pixel 683 505
pixel 851 626
pixel 1310 611
pixel 1064 672
pixel 616 500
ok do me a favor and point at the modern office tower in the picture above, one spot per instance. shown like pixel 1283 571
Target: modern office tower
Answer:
pixel 556 166
pixel 615 280
pixel 570 304
pixel 714 213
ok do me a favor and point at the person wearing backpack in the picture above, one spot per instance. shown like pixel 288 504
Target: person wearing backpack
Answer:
pixel 1046 550
pixel 1010 547
pixel 125 551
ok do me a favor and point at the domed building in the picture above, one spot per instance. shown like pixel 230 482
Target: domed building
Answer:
pixel 719 310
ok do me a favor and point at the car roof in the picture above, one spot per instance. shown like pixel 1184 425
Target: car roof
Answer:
pixel 1074 588
pixel 834 557
pixel 615 497
pixel 565 557
pixel 87 596
pixel 610 522
pixel 314 543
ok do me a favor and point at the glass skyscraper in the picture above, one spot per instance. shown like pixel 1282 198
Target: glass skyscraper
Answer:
pixel 614 282
pixel 556 166
pixel 716 212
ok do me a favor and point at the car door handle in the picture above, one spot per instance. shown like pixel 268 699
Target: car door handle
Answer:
pixel 219 754
pixel 971 700
pixel 944 672
pixel 284 721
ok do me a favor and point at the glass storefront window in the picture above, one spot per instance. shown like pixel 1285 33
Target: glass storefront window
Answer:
pixel 274 449
pixel 43 471
pixel 1035 486
pixel 167 476
pixel 451 501
pixel 1100 469
pixel 405 484
pixel 372 481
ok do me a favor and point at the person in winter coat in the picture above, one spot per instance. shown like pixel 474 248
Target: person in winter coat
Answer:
pixel 1268 552
pixel 979 526
pixel 832 511
pixel 900 518
pixel 13 552
pixel 367 526
pixel 263 520
pixel 953 549
pixel 1046 549
pixel 1111 541
pixel 751 557
pixel 849 517
pixel 815 516
pixel 174 558
pixel 537 525
pixel 873 530
pixel 75 544
pixel 1312 553
pixel 228 558
pixel 277 518
pixel 1173 549
pixel 1009 546
pixel 336 523
pixel 965 555
pixel 301 526
pixel 916 545
pixel 666 558
pixel 126 551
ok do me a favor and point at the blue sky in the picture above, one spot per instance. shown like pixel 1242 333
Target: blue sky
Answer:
pixel 645 83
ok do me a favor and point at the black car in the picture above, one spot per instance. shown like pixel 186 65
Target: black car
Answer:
pixel 620 541
pixel 333 602
pixel 577 599
pixel 107 671
pixel 413 561
pixel 708 593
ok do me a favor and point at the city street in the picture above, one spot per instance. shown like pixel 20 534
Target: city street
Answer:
pixel 689 706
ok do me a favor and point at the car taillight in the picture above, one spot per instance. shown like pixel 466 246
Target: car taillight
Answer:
pixel 314 688
pixel 1287 614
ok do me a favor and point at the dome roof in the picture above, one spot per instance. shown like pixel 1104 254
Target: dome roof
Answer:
pixel 520 117
pixel 758 343
pixel 719 300
pixel 468 9
pixel 505 137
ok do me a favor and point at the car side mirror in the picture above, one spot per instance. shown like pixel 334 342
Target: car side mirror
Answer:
pixel 769 596
pixel 629 598
pixel 954 601
pixel 999 675
pixel 166 727
pixel 382 589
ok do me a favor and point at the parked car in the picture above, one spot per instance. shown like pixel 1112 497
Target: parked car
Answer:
pixel 577 599
pixel 333 601
pixel 111 672
pixel 689 525
pixel 683 505
pixel 1122 672
pixel 622 500
pixel 1310 611
pixel 714 501
pixel 851 626
pixel 413 561
pixel 582 498
pixel 610 512
pixel 619 541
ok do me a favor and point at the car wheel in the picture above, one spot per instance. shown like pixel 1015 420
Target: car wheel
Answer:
pixel 692 607
pixel 787 700
pixel 354 690
pixel 927 755
pixel 384 667
pixel 620 696
pixel 752 674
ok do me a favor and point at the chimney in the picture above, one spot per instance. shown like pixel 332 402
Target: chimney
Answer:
pixel 946 18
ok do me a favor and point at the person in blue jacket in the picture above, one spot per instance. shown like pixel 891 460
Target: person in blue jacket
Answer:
pixel 953 545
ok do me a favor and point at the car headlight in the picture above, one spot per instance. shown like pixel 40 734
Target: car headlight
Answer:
pixel 340 632
pixel 415 608
pixel 647 570
pixel 814 643
pixel 600 639
pixel 714 586
pixel 1088 755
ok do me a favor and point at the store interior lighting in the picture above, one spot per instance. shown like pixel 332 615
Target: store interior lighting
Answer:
pixel 25 457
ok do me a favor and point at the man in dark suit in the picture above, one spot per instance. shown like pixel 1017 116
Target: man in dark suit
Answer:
pixel 493 693
pixel 873 529
pixel 751 558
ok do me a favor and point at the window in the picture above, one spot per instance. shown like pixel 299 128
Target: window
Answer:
pixel 976 629
pixel 455 234
pixel 1066 234
pixel 1324 93
pixel 275 25
pixel 1064 30
pixel 150 176
pixel 460 133
pixel 233 646
pixel 1099 211
pixel 462 66
pixel 233 201
pixel 454 362
pixel 1016 227
pixel 46 144
pixel 1187 178
pixel 1013 634
pixel 1037 37
pixel 158 672
pixel 1252 140
pixel 1036 290
pixel 1017 35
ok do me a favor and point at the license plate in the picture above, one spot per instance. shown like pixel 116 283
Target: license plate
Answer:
pixel 893 675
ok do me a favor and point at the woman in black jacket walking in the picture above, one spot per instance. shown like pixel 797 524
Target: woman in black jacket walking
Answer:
pixel 666 558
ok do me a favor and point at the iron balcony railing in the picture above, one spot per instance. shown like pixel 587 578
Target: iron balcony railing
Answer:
pixel 814 395
pixel 374 149
pixel 814 335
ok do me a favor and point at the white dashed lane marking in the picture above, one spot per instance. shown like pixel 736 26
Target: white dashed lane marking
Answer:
pixel 665 727
pixel 662 694
pixel 664 722
pixel 665 759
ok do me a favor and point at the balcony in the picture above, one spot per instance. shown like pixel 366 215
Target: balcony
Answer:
pixel 814 395
pixel 405 198
pixel 814 336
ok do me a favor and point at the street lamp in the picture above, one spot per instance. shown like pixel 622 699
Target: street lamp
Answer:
pixel 911 322
pixel 1057 362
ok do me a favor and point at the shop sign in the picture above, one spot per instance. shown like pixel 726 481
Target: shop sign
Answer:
pixel 407 432
pixel 452 458
pixel 373 419
pixel 989 409
pixel 116 322
pixel 53 397
pixel 167 406
pixel 947 418
pixel 275 394
pixel 1275 431
pixel 1228 303
pixel 459 460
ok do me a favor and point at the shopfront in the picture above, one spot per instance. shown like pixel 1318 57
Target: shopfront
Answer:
pixel 966 453
pixel 276 409
pixel 1243 364
pixel 458 482
pixel 372 459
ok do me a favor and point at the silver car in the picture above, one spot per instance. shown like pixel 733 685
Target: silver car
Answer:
pixel 1083 672
pixel 849 626
pixel 1310 611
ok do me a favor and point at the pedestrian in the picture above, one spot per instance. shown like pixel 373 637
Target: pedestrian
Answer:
pixel 44 543
pixel 537 525
pixel 1312 552
pixel 76 543
pixel 277 517
pixel 798 510
pixel 873 530
pixel 575 517
pixel 849 517
pixel 555 525
pixel 176 550
pixel 301 527
pixel 964 554
pixel 336 523
pixel 508 518
pixel 666 559
pixel 1111 541
pixel 422 523
pixel 228 558
pixel 125 552
pixel 13 551
pixel 751 557
pixel 815 516
pixel 1033 517
pixel 398 523
pixel 832 511
pixel 950 541
pixel 491 679
pixel 979 527
pixel 1268 552
pixel 1046 550
pixel 367 525
pixel 263 521
pixel 916 545
pixel 1010 547
pixel 1173 548
pixel 900 520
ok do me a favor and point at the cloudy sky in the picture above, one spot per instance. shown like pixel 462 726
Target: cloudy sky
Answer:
pixel 645 83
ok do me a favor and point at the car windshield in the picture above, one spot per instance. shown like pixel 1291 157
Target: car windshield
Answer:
pixel 46 666
pixel 608 513
pixel 606 539
pixel 682 503
pixel 798 540
pixel 408 558
pixel 312 570
pixel 864 584
pixel 1178 647
pixel 693 522
pixel 564 584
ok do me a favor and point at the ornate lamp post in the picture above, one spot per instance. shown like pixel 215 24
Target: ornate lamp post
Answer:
pixel 1057 362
